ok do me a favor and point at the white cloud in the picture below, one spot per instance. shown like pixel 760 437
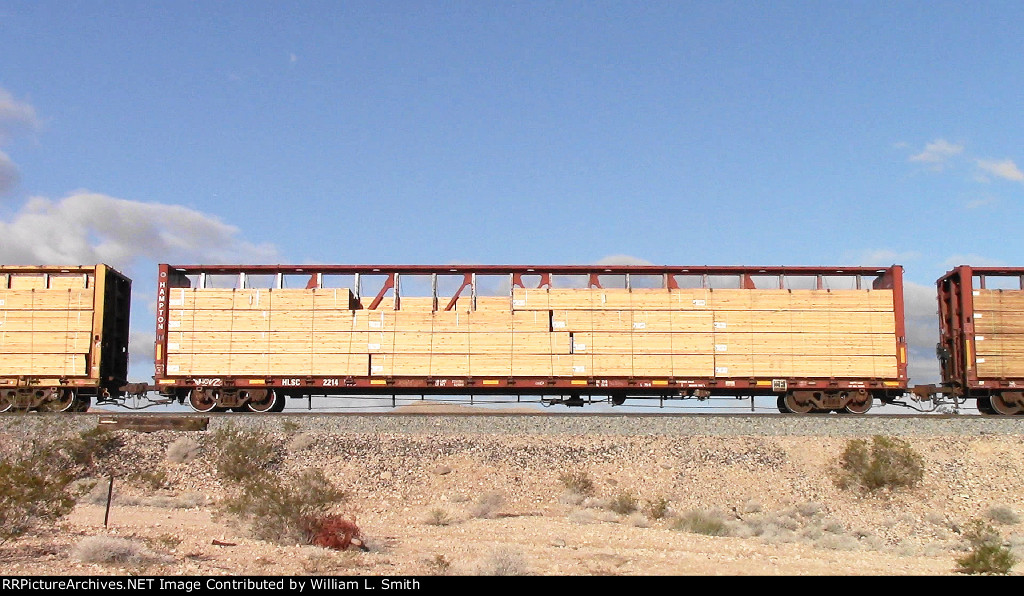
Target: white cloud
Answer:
pixel 15 116
pixel 90 228
pixel 622 260
pixel 1005 169
pixel 879 257
pixel 8 173
pixel 937 153
pixel 922 327
pixel 973 260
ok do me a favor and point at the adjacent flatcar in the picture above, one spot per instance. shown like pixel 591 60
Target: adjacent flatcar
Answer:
pixel 247 337
pixel 981 329
pixel 63 336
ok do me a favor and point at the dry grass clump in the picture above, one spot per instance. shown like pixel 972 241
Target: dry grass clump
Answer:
pixel 1001 514
pixel 183 450
pixel 487 504
pixel 301 442
pixel 503 560
pixel 888 463
pixel 708 523
pixel 111 550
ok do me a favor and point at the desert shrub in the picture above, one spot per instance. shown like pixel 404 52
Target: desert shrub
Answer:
pixel 438 565
pixel 988 555
pixel 437 517
pixel 88 449
pixel 657 508
pixel 623 503
pixel 1002 514
pixel 284 510
pixel 888 463
pixel 37 486
pixel 486 504
pixel 578 482
pixel 183 450
pixel 154 479
pixel 242 454
pixel 708 523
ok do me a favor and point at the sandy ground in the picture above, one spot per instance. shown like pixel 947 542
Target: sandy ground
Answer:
pixel 491 505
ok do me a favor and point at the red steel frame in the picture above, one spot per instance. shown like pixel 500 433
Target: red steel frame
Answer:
pixel 171 276
pixel 958 357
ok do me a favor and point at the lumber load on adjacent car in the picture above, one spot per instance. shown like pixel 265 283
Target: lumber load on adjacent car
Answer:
pixel 819 339
pixel 981 326
pixel 63 335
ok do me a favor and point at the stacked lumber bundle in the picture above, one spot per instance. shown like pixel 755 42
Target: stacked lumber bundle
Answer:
pixel 725 332
pixel 999 333
pixel 46 324
pixel 698 333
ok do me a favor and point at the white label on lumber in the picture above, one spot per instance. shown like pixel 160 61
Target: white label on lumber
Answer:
pixel 977 315
pixel 721 348
pixel 1 302
pixel 375 324
pixel 640 325
pixel 558 324
pixel 719 324
pixel 173 324
pixel 980 360
pixel 518 303
pixel 579 369
pixel 977 293
pixel 372 346
pixel 700 302
pixel 171 302
pixel 721 370
pixel 172 368
pixel 979 337
pixel 173 346
pixel 579 347
pixel 376 369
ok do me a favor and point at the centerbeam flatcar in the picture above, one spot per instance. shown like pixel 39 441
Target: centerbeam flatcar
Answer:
pixel 245 337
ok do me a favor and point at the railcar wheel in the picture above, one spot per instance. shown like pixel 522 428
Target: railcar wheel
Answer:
pixel 858 408
pixel 279 402
pixel 201 401
pixel 59 400
pixel 1005 407
pixel 985 405
pixel 781 404
pixel 6 400
pixel 795 407
pixel 263 400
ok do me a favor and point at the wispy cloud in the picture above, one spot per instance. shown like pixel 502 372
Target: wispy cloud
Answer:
pixel 937 153
pixel 1004 169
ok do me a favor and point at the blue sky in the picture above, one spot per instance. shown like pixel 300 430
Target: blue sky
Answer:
pixel 677 133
